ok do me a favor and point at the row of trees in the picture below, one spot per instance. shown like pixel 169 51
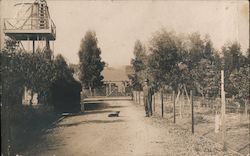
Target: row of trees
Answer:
pixel 35 71
pixel 185 62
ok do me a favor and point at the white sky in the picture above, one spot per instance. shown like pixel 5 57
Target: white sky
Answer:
pixel 118 24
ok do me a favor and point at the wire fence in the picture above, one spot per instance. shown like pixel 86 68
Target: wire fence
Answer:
pixel 206 117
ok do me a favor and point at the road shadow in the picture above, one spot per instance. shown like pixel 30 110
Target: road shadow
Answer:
pixel 45 144
pixel 90 122
pixel 30 135
pixel 99 106
pixel 95 106
pixel 97 112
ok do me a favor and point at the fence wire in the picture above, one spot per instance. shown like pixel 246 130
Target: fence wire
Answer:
pixel 206 117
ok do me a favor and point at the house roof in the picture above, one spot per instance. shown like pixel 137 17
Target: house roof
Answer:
pixel 114 74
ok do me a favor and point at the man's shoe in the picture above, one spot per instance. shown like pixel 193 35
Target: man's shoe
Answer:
pixel 147 115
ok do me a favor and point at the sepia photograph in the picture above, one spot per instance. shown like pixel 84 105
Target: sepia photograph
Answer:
pixel 124 77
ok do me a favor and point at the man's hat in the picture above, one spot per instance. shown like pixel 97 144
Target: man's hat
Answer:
pixel 146 80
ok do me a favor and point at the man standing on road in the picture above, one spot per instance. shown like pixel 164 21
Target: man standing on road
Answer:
pixel 147 98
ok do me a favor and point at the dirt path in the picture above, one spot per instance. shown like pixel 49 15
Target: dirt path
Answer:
pixel 96 134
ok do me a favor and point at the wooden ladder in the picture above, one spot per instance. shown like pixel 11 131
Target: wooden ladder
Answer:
pixel 42 15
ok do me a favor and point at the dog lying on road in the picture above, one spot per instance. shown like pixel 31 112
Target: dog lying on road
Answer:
pixel 114 114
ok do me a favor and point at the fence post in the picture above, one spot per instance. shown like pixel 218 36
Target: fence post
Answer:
pixel 134 94
pixel 136 97
pixel 223 109
pixel 192 110
pixel 180 104
pixel 162 111
pixel 154 102
pixel 174 104
pixel 139 97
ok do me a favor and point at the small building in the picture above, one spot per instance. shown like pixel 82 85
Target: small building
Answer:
pixel 115 81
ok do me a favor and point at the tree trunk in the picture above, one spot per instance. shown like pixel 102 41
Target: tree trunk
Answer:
pixel 203 99
pixel 185 89
pixel 177 97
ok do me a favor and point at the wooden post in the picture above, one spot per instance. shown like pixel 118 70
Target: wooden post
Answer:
pixel 32 92
pixel 192 110
pixel 180 105
pixel 162 110
pixel 174 104
pixel 139 97
pixel 33 50
pixel 47 44
pixel 154 102
pixel 28 39
pixel 223 109
pixel 135 96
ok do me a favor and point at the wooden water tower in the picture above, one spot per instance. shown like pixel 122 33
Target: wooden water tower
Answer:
pixel 33 23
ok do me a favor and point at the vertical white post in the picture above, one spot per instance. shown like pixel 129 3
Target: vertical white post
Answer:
pixel 223 108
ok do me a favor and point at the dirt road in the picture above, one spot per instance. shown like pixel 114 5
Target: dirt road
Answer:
pixel 96 134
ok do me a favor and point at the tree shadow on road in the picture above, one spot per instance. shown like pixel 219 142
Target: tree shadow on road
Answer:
pixel 100 105
pixel 90 122
pixel 97 112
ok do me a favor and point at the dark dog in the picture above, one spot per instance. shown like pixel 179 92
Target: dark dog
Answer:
pixel 114 114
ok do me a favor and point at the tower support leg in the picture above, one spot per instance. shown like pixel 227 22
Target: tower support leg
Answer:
pixel 33 50
pixel 47 45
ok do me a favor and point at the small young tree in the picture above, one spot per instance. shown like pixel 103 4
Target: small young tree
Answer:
pixel 139 65
pixel 206 78
pixel 233 60
pixel 164 58
pixel 91 64
pixel 240 81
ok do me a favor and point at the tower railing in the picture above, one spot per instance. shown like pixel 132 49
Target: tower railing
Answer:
pixel 24 26
pixel 29 24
